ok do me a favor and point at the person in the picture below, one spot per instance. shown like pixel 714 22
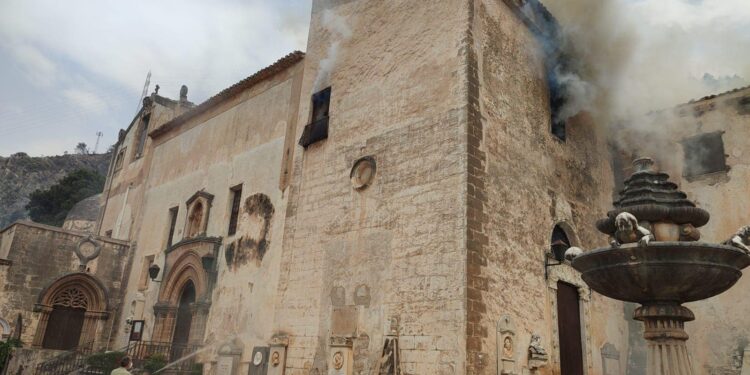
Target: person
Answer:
pixel 125 365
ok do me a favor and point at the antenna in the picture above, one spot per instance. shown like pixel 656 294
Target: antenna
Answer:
pixel 145 91
pixel 98 137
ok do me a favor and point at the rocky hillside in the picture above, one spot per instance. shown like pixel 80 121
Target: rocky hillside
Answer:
pixel 21 174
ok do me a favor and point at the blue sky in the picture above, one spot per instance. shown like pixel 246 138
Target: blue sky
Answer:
pixel 70 69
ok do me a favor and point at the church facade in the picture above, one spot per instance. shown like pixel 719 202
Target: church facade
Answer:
pixel 395 200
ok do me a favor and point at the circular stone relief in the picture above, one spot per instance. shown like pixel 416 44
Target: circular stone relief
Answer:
pixel 258 358
pixel 363 172
pixel 338 360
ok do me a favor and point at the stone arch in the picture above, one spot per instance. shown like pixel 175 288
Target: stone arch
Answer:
pixel 570 232
pixel 4 329
pixel 186 270
pixel 79 291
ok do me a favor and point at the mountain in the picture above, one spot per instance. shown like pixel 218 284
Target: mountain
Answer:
pixel 21 174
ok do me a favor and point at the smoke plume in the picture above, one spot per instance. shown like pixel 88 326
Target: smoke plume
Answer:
pixel 339 32
pixel 638 56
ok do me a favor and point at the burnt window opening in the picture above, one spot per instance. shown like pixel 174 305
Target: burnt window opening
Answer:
pixel 743 106
pixel 704 154
pixel 559 243
pixel 142 134
pixel 556 99
pixel 235 213
pixel 317 129
pixel 172 223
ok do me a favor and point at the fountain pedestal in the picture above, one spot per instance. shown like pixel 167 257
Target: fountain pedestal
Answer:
pixel 656 260
pixel 666 338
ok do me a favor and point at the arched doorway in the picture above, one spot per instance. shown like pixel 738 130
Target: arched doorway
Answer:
pixel 184 315
pixel 185 293
pixel 71 309
pixel 66 320
pixel 570 306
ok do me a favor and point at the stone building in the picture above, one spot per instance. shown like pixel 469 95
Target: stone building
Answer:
pixel 395 200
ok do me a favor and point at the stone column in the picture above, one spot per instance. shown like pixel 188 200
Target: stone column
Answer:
pixel 198 323
pixel 90 328
pixel 666 337
pixel 88 331
pixel 41 327
pixel 164 323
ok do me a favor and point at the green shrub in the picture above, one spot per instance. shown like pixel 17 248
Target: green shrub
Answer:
pixel 6 347
pixel 50 206
pixel 154 362
pixel 105 362
pixel 197 369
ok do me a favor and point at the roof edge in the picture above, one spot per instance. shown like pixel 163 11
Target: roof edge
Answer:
pixel 28 223
pixel 228 93
pixel 714 96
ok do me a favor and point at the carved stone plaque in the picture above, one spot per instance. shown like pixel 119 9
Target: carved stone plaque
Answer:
pixel 277 360
pixel 340 357
pixel 344 321
pixel 506 346
pixel 225 366
pixel 259 361
pixel 229 358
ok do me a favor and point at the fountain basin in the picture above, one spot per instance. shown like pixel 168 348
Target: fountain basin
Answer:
pixel 663 271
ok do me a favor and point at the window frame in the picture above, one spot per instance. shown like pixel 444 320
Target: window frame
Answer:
pixel 709 140
pixel 235 205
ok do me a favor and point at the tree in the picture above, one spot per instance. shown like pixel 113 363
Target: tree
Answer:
pixel 52 205
pixel 82 149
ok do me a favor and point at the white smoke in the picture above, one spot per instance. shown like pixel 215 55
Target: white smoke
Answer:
pixel 639 56
pixel 339 32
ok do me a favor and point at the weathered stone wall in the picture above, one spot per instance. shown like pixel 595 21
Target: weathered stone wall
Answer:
pixel 354 259
pixel 240 141
pixel 721 330
pixel 522 182
pixel 123 191
pixel 41 254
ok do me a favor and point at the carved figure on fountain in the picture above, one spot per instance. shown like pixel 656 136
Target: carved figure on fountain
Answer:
pixel 672 270
pixel 659 205
pixel 741 239
pixel 629 231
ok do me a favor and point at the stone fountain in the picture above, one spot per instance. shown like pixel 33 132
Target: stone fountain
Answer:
pixel 655 260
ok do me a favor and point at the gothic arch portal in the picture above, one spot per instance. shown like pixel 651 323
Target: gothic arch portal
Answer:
pixel 71 312
pixel 186 268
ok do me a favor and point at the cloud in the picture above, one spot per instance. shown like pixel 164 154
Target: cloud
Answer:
pixel 85 100
pixel 95 55
pixel 39 69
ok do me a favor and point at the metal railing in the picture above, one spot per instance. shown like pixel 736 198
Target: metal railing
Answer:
pixel 167 352
pixel 67 362
pixel 140 352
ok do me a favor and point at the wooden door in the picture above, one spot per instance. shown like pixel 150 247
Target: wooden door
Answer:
pixel 569 329
pixel 63 328
pixel 184 320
